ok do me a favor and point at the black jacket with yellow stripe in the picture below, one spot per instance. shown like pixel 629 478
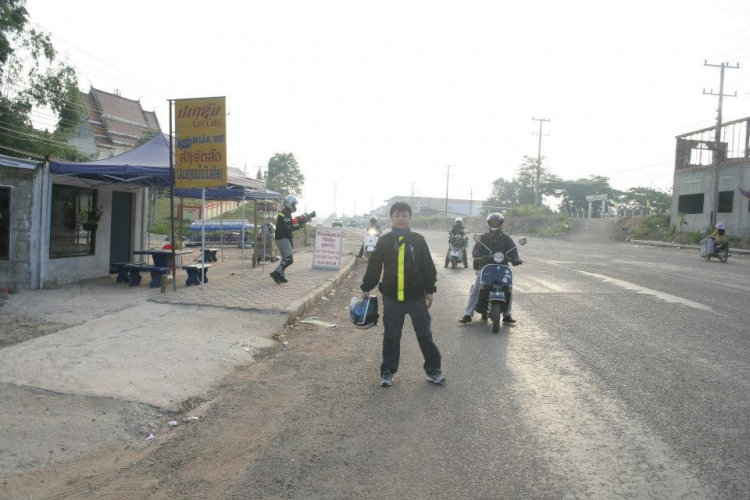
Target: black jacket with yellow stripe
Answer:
pixel 406 265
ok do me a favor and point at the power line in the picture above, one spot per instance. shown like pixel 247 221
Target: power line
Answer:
pixel 28 153
pixel 96 58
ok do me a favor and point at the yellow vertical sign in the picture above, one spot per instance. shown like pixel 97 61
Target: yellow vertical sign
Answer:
pixel 201 146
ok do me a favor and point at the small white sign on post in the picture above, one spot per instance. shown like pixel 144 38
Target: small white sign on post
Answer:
pixel 327 253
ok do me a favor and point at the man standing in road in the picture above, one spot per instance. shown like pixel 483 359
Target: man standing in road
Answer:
pixel 409 276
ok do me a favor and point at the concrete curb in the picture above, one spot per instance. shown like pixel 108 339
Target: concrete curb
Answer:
pixel 683 247
pixel 300 306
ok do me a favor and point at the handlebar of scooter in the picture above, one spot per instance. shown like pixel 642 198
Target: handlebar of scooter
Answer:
pixel 522 241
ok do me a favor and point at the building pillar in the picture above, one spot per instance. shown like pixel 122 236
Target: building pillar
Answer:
pixel 591 204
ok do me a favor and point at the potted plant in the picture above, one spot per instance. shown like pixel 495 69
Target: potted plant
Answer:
pixel 89 219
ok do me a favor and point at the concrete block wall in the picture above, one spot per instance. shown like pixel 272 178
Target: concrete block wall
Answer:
pixel 700 180
pixel 16 272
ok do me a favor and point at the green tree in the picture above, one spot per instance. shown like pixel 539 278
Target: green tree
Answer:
pixel 31 77
pixel 503 193
pixel 574 192
pixel 520 190
pixel 644 198
pixel 259 175
pixel 283 174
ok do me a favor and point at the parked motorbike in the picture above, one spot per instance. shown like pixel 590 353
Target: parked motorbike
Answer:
pixel 370 242
pixel 457 251
pixel 495 285
pixel 710 249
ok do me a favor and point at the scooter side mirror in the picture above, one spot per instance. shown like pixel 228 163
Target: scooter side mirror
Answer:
pixel 522 240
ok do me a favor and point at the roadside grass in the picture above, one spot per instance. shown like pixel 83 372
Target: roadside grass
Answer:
pixel 658 228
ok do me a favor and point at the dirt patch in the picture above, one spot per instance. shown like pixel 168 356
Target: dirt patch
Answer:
pixel 247 434
pixel 17 329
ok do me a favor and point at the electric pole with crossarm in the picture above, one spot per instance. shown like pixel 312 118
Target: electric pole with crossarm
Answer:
pixel 717 156
pixel 539 159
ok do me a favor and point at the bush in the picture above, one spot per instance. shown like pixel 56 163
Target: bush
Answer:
pixel 530 211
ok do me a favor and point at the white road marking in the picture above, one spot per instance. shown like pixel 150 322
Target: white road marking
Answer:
pixel 672 299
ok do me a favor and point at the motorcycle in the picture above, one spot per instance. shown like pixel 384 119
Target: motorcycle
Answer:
pixel 495 286
pixel 709 249
pixel 371 241
pixel 457 252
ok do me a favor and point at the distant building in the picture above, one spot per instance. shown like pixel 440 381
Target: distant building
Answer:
pixel 693 188
pixel 436 206
pixel 112 124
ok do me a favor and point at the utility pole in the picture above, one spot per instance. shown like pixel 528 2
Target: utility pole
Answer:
pixel 717 146
pixel 538 158
pixel 447 185
pixel 372 205
pixel 335 189
pixel 471 201
pixel 412 196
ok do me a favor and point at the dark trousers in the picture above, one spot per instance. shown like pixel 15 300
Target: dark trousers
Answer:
pixel 394 313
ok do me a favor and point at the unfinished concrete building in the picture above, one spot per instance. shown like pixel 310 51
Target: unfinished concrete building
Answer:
pixel 693 187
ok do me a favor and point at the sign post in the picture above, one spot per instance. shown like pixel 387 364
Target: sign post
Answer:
pixel 327 254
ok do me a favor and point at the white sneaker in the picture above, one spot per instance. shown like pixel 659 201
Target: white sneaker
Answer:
pixel 386 380
pixel 436 379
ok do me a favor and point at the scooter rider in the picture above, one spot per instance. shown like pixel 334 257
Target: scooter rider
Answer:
pixel 456 230
pixel 284 238
pixel 373 225
pixel 497 241
pixel 719 236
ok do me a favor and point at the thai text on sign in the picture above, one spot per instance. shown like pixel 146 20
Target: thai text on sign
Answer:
pixel 201 146
pixel 327 253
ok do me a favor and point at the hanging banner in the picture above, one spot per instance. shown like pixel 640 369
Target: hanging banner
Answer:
pixel 201 147
pixel 327 253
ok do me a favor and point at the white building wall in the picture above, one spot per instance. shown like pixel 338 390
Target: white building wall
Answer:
pixel 59 271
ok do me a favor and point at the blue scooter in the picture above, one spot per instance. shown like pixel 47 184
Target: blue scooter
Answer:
pixel 495 285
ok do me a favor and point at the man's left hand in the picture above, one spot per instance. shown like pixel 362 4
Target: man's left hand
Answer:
pixel 428 300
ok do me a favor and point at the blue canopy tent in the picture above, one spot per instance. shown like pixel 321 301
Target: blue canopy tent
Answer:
pixel 149 165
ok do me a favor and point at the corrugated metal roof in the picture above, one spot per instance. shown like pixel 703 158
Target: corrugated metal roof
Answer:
pixel 13 162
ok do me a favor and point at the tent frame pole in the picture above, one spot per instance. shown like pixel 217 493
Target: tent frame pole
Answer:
pixel 171 198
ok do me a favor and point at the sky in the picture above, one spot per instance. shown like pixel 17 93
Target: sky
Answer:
pixel 378 98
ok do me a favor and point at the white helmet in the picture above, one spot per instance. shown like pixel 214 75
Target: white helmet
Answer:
pixel 290 202
pixel 458 221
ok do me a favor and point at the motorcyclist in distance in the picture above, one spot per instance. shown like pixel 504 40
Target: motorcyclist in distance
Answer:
pixel 373 225
pixel 456 230
pixel 719 236
pixel 497 241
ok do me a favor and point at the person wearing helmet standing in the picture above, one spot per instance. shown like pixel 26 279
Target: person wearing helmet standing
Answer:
pixel 285 225
pixel 456 230
pixel 409 275
pixel 373 225
pixel 497 241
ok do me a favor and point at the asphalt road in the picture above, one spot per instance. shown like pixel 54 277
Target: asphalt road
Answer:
pixel 625 377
